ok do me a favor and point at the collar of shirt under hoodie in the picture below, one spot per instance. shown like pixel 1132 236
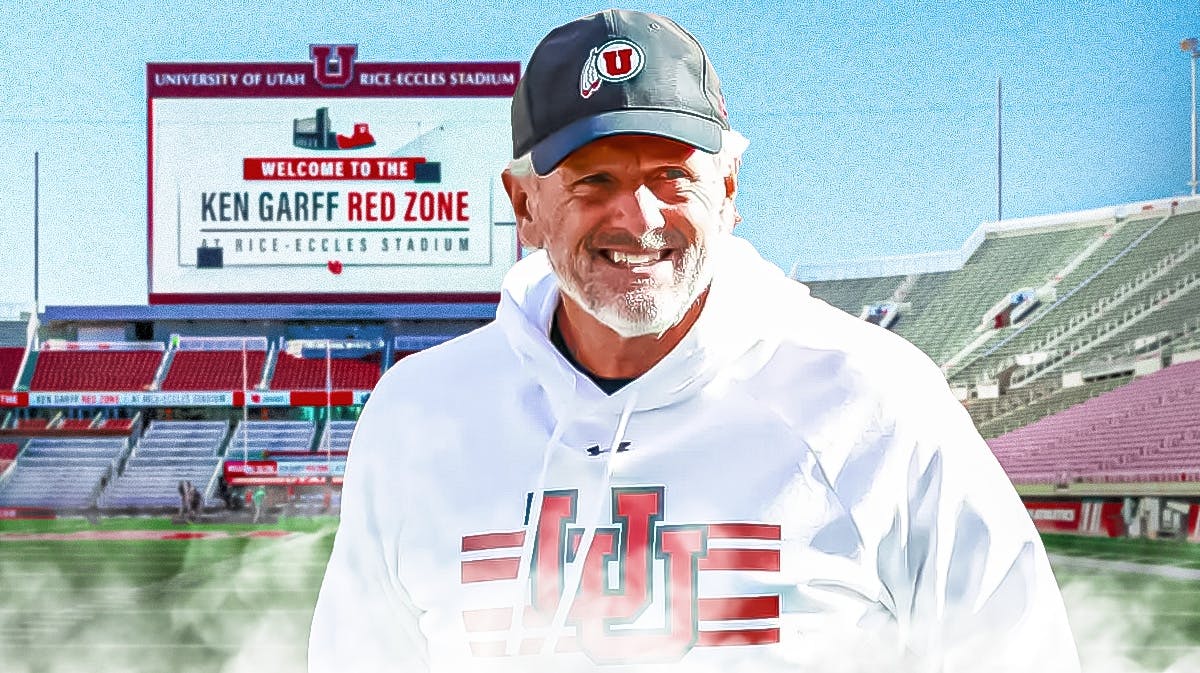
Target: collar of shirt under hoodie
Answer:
pixel 736 326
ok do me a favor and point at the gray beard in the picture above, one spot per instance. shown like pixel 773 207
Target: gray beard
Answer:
pixel 647 310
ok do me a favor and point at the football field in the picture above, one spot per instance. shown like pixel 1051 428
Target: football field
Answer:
pixel 139 595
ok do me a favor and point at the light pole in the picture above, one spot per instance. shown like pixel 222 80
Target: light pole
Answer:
pixel 36 237
pixel 1191 46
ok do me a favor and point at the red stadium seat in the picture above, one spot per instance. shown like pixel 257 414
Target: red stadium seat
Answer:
pixel 10 363
pixel 116 424
pixel 95 370
pixel 296 373
pixel 214 370
pixel 1142 431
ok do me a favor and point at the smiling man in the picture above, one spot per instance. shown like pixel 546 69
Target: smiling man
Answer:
pixel 664 455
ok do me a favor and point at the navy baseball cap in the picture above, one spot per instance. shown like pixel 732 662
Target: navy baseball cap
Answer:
pixel 615 72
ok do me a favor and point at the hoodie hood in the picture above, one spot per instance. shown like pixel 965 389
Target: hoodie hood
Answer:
pixel 739 320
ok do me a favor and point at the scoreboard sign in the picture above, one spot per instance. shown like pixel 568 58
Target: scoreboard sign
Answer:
pixel 329 180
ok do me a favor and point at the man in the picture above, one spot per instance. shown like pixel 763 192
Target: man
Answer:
pixel 664 455
pixel 195 503
pixel 260 495
pixel 184 498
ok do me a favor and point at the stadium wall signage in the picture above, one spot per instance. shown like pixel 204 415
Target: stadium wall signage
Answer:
pixel 10 513
pixel 1104 518
pixel 331 179
pixel 237 471
pixel 236 398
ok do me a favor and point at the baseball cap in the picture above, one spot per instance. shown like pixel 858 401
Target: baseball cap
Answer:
pixel 615 72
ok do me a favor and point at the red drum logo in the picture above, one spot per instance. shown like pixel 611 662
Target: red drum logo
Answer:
pixel 614 61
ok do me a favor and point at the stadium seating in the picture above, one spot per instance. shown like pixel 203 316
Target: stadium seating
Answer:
pixel 947 306
pixel 336 436
pixel 852 294
pixel 985 410
pixel 1025 410
pixel 76 423
pixel 298 373
pixel 169 452
pixel 36 423
pixel 214 370
pixel 8 454
pixel 215 363
pixel 117 424
pixel 10 364
pixel 1167 317
pixel 95 370
pixel 1143 431
pixel 1091 302
pixel 62 474
pixel 258 436
pixel 1115 239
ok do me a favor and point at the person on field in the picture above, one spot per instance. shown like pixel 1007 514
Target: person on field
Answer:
pixel 260 495
pixel 664 455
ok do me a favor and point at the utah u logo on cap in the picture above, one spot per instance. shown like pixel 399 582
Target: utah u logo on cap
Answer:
pixel 333 71
pixel 614 61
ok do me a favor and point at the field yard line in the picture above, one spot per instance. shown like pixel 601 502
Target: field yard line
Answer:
pixel 1168 571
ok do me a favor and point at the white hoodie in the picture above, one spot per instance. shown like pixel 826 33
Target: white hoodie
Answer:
pixel 790 489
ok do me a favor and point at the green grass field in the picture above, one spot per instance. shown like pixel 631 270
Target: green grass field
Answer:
pixel 237 603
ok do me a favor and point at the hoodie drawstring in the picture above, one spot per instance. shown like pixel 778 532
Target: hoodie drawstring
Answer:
pixel 574 571
pixel 574 574
pixel 513 644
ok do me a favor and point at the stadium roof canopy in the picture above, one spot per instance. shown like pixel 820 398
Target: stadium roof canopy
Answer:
pixel 136 313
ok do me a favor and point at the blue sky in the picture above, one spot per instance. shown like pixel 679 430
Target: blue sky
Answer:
pixel 872 126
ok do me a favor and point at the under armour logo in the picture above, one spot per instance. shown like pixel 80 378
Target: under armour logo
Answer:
pixel 595 450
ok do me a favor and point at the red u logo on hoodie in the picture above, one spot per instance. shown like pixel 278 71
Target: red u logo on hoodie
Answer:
pixel 638 547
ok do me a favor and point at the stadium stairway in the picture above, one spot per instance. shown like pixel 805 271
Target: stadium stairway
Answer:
pixel 852 294
pixel 168 452
pixel 25 375
pixel 336 436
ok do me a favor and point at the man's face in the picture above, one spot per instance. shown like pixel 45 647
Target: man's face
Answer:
pixel 628 223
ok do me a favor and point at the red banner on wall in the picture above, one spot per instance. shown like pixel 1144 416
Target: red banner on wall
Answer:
pixel 162 398
pixel 308 169
pixel 364 79
pixel 1055 517
pixel 26 513
pixel 1085 517
pixel 14 399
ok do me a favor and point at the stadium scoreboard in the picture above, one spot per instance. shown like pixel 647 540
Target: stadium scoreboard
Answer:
pixel 328 180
